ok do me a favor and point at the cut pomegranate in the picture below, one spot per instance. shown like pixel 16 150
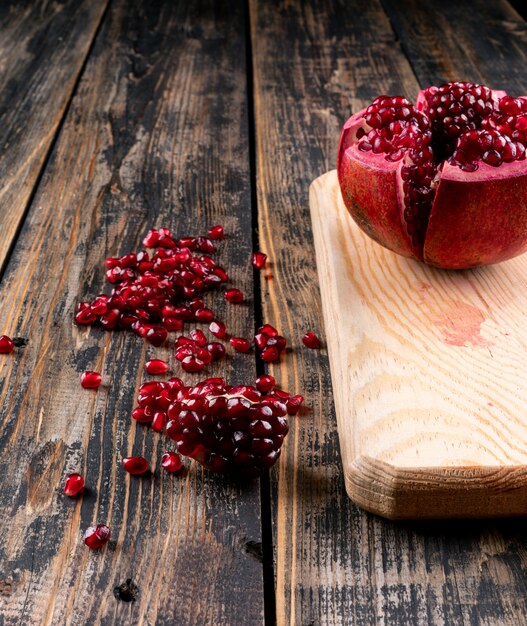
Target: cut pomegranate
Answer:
pixel 91 380
pixel 171 462
pixel 6 344
pixel 216 232
pixel 96 536
pixel 258 260
pixel 156 366
pixel 265 383
pixel 74 485
pixel 240 344
pixel 444 181
pixel 234 296
pixel 310 340
pixel 135 464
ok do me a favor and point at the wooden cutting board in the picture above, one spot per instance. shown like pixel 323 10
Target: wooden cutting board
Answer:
pixel 429 371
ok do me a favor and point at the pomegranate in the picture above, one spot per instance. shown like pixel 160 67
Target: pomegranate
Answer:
pixel 444 181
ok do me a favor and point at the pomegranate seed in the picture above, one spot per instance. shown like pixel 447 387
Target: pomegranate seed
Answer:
pixel 156 366
pixel 293 404
pixel 265 383
pixel 310 340
pixel 151 239
pixel 157 336
pixel 74 485
pixel 216 350
pixel 91 380
pixel 204 315
pixel 240 344
pixel 199 337
pixel 270 354
pixel 96 536
pixel 234 296
pixel 218 329
pixel 216 232
pixel 258 260
pixel 192 364
pixel 171 462
pixel 268 330
pixel 6 344
pixel 261 339
pixel 159 421
pixel 135 465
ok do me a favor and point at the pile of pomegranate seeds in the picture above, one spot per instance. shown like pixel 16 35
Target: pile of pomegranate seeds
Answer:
pixel 258 260
pixel 91 380
pixel 96 536
pixel 270 343
pixel 6 345
pixel 310 340
pixel 225 428
pixel 135 465
pixel 156 292
pixel 74 485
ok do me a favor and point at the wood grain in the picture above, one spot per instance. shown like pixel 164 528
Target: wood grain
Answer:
pixel 428 371
pixel 157 135
pixel 315 62
pixel 43 46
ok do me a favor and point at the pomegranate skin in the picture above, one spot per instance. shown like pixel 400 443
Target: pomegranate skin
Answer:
pixel 369 189
pixel 478 222
pixel 476 218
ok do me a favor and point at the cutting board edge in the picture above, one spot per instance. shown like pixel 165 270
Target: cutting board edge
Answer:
pixel 458 492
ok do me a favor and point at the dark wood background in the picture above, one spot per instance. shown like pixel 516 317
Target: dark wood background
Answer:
pixel 120 115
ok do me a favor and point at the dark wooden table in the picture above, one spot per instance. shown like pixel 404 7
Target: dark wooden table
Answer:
pixel 120 115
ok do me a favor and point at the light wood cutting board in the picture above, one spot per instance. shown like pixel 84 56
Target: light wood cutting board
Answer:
pixel 429 371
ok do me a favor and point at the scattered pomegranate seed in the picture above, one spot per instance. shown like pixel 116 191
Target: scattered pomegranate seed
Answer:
pixel 6 344
pixel 268 330
pixel 199 337
pixel 157 336
pixel 159 421
pixel 310 340
pixel 240 344
pixel 91 380
pixel 218 329
pixel 156 366
pixel 216 232
pixel 258 260
pixel 96 536
pixel 204 315
pixel 234 296
pixel 216 350
pixel 135 464
pixel 293 404
pixel 74 485
pixel 192 364
pixel 265 383
pixel 270 354
pixel 171 462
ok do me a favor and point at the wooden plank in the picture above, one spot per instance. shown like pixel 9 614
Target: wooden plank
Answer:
pixel 444 42
pixel 428 372
pixel 43 46
pixel 156 135
pixel 314 62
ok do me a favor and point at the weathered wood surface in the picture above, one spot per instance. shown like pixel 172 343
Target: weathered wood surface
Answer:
pixel 336 564
pixel 428 371
pixel 155 136
pixel 43 46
